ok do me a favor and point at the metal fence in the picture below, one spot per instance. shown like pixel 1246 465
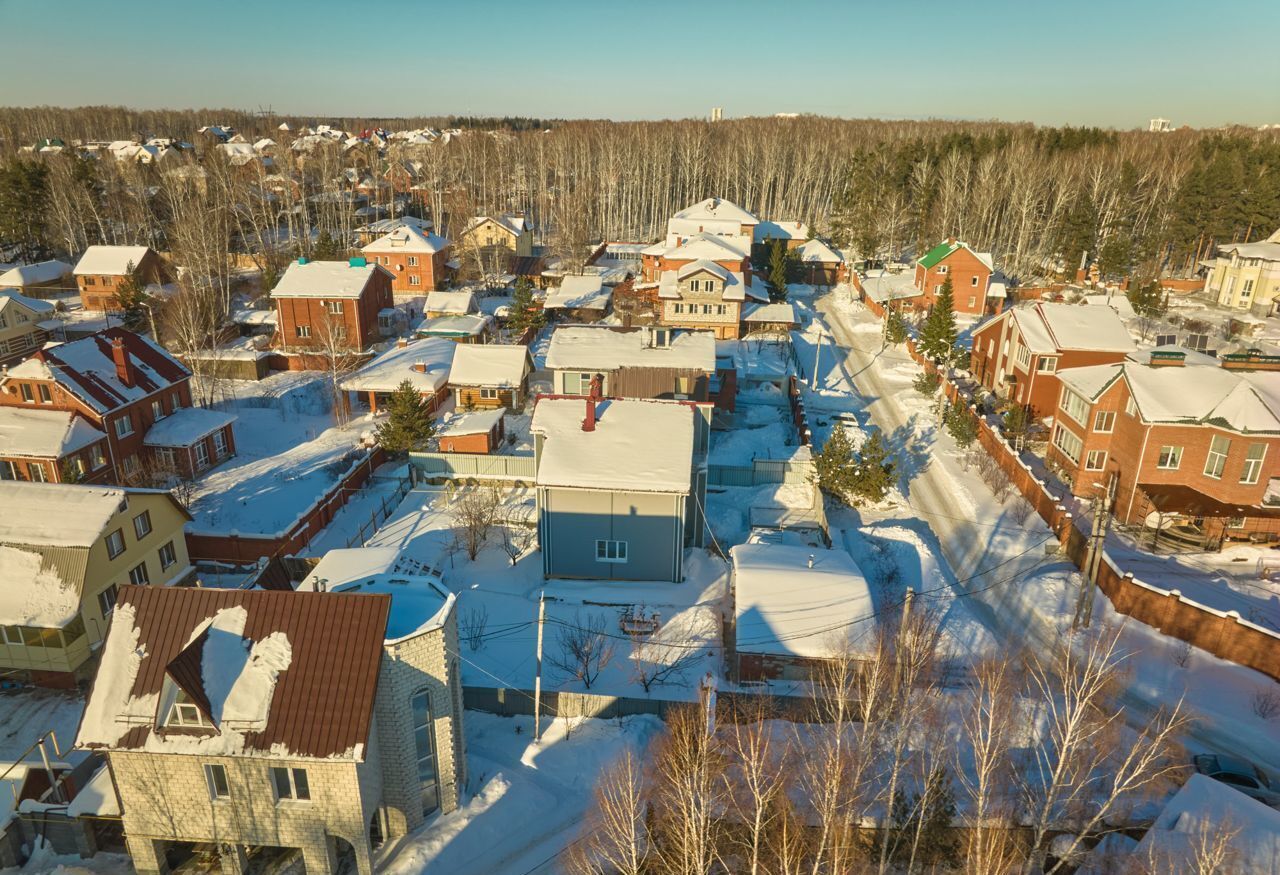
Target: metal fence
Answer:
pixel 760 473
pixel 452 466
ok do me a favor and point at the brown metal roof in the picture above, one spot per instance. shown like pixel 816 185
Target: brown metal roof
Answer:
pixel 323 702
pixel 1170 498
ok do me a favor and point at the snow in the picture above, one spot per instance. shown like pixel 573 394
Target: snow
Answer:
pixel 1195 393
pixel 184 427
pixel 408 239
pixel 56 514
pixel 425 363
pixel 588 347
pixel 454 326
pixel 638 446
pixel 96 798
pixel 239 675
pixel 325 279
pixel 112 708
pixel 34 274
pixel 110 260
pixel 780 231
pixel 476 422
pixel 39 433
pixel 1084 327
pixel 882 285
pixel 816 252
pixel 796 600
pixel 584 292
pixel 702 265
pixel 33 595
pixel 709 246
pixel 450 303
pixel 734 288
pixel 35 306
pixel 774 313
pixel 489 365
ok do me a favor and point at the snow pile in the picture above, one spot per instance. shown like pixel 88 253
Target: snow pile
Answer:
pixel 33 595
pixel 113 709
pixel 239 675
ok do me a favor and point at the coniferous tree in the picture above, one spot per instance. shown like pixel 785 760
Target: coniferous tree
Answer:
pixel 409 424
pixel 781 260
pixel 962 425
pixel 326 248
pixel 920 829
pixel 835 466
pixel 525 311
pixel 896 330
pixel 938 335
pixel 24 200
pixel 1147 299
pixel 874 471
pixel 132 299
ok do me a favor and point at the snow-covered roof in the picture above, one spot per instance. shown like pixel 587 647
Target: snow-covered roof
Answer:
pixel 882 286
pixel 327 279
pixel 780 231
pixel 470 325
pixel 11 298
pixel 56 514
pixel 1200 813
pixel 34 274
pixel 517 225
pixel 704 245
pixel 636 446
pixel 408 239
pixel 585 292
pixel 96 798
pixel 771 313
pixel 110 260
pixel 1050 327
pixel 605 348
pixel 1264 249
pixel 786 606
pixel 43 434
pixel 717 208
pixel 816 252
pixel 476 422
pixel 34 595
pixel 185 426
pixel 491 365
pixel 455 303
pixel 352 564
pixel 424 363
pixel 702 266
pixel 386 226
pixel 734 289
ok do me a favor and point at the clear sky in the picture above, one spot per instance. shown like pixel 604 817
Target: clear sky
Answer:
pixel 1102 62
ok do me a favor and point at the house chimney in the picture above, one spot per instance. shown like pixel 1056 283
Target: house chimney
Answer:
pixel 124 367
pixel 420 367
pixel 589 421
pixel 951 241
pixel 401 343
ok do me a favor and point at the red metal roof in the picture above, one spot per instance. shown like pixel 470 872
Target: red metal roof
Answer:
pixel 100 388
pixel 322 704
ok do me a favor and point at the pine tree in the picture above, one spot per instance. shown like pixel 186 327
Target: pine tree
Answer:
pixel 525 311
pixel 780 269
pixel 132 300
pixel 326 248
pixel 920 826
pixel 926 383
pixel 938 335
pixel 1147 299
pixel 24 201
pixel 874 471
pixel 835 467
pixel 962 425
pixel 896 330
pixel 409 424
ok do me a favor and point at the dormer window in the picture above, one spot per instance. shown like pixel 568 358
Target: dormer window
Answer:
pixel 185 712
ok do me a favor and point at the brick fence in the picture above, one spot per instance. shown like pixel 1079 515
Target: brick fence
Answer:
pixel 245 549
pixel 1223 633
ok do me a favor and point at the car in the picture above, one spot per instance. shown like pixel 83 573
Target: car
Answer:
pixel 1238 773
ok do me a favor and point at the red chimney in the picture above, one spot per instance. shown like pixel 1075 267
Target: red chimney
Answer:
pixel 951 241
pixel 589 423
pixel 401 343
pixel 124 367
pixel 420 367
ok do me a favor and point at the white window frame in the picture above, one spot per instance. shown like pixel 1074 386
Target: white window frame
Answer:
pixel 1101 460
pixel 1173 454
pixel 115 537
pixel 219 444
pixel 415 280
pixel 1023 356
pixel 943 270
pixel 1047 364
pixel 202 455
pixel 1252 472
pixel 1075 406
pixel 333 308
pixel 413 261
pixel 157 409
pixel 215 773
pixel 302 331
pixel 1059 430
pixel 489 394
pixel 1104 417
pixel 973 280
pixel 613 552
pixel 1215 460
pixel 138 574
pixel 124 426
pixel 142 524
pixel 290 784
pixel 107 600
pixel 167 560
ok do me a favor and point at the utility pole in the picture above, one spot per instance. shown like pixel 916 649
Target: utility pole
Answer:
pixel 1093 559
pixel 537 681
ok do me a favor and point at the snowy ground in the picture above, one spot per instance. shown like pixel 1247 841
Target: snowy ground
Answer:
pixel 26 714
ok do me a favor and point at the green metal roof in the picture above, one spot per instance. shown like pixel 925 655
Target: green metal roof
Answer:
pixel 939 252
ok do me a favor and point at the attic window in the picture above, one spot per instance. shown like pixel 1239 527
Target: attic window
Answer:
pixel 185 713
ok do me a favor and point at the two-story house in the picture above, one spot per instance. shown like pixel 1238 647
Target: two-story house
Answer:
pixel 331 306
pixel 640 362
pixel 131 389
pixel 64 553
pixel 512 235
pixel 277 724
pixel 1017 354
pixel 52 446
pixel 418 260
pixel 102 269
pixel 970 274
pixel 1173 430
pixel 1246 276
pixel 620 486
pixel 20 331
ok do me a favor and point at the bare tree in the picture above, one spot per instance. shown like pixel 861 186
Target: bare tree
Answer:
pixel 688 797
pixel 757 784
pixel 615 839
pixel 666 654
pixel 476 511
pixel 338 357
pixel 585 648
pixel 472 626
pixel 988 723
pixel 516 540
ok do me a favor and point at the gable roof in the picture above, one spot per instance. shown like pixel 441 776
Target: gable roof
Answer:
pixel 780 231
pixel 606 347
pixel 705 245
pixel 86 369
pixel 43 434
pixel 717 208
pixel 450 302
pixel 816 252
pixel 11 298
pixel 408 239
pixel 702 266
pixel 946 247
pixel 586 291
pixel 515 225
pixel 110 260
pixel 491 365
pixel 1047 328
pixel 32 274
pixel 326 279
pixel 387 371
pixel 56 514
pixel 285 674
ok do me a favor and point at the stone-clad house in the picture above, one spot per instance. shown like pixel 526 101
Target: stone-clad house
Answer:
pixel 268 723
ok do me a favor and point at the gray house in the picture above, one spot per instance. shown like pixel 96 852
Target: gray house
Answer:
pixel 621 486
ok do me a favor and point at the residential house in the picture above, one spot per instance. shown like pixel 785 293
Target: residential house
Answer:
pixel 489 376
pixel 102 269
pixel 366 234
pixel 579 298
pixel 125 385
pixel 418 260
pixel 25 324
pixel 818 264
pixel 1017 354
pixel 469 328
pixel 1175 432
pixel 784 593
pixel 717 217
pixel 639 362
pixel 51 446
pixel 970 274
pixel 480 432
pixel 765 234
pixel 330 306
pixel 423 363
pixel 450 304
pixel 773 320
pixel 620 486
pixel 1246 276
pixel 39 279
pixel 269 725
pixel 512 235
pixel 65 551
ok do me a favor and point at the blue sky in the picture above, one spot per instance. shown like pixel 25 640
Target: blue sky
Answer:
pixel 1114 63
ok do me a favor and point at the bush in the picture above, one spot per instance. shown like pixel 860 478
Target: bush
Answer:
pixel 926 383
pixel 961 424
pixel 1265 702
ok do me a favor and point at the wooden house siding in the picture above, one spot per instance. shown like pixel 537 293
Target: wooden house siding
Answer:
pixel 468 397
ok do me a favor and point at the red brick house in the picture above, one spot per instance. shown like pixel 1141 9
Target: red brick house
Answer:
pixel 331 305
pixel 130 389
pixel 103 268
pixel 1179 433
pixel 418 260
pixel 51 446
pixel 480 432
pixel 1017 354
pixel 970 274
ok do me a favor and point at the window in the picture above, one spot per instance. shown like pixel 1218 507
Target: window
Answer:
pixel 175 401
pixel 1096 460
pixel 302 330
pixel 142 524
pixel 679 308
pixel 1170 458
pixel 185 712
pixel 942 269
pixel 138 574
pixel 973 301
pixel 334 308
pixel 973 281
pixel 611 551
pixel 721 309
pixel 1024 356
pixel 77 466
pixel 489 393
pixel 97 458
pixel 1131 407
pixel 1247 289
pixel 130 465
pixel 26 393
pixel 202 454
pixel 90 281
pixel 124 426
pixel 45 396
pixel 12 635
pixel 219 444
pixel 157 410
pixel 216 776
pixel 1047 364
pixel 115 544
pixel 415 280
pixel 577 383
pixel 107 600
pixel 1216 460
pixel 290 783
pixel 164 455
pixel 168 555
pixel 706 309
pixel 1104 421
pixel 36 472
pixel 1253 463
pixel 413 261
pixel 1068 443
pixel 1074 406
pixel 425 742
